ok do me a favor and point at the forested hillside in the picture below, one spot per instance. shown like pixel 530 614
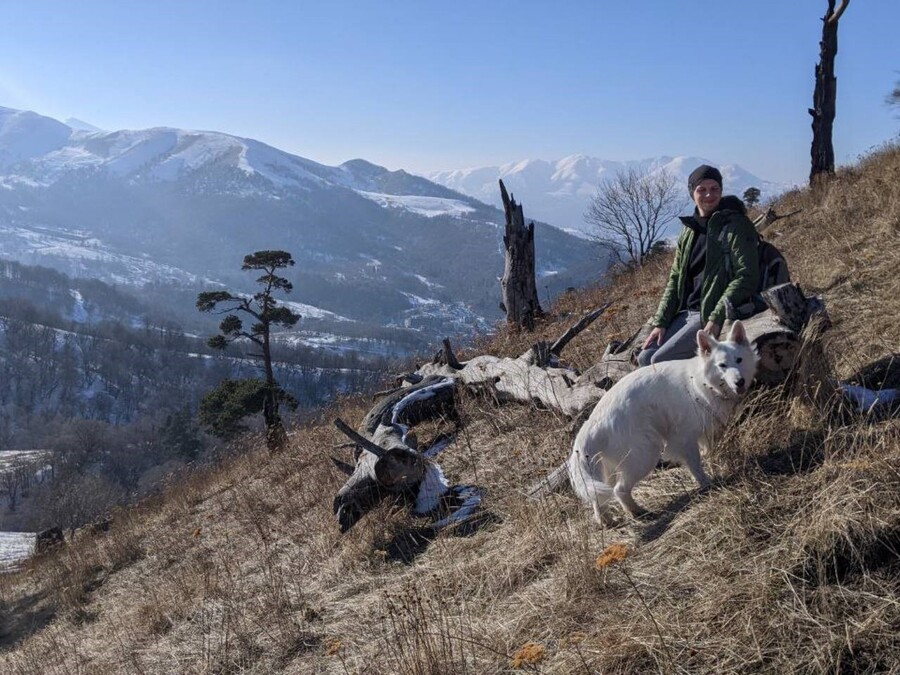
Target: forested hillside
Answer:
pixel 788 565
pixel 111 386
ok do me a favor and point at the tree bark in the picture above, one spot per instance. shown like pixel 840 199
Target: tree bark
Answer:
pixel 825 96
pixel 518 287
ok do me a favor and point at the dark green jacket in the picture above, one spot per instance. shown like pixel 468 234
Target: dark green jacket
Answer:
pixel 728 278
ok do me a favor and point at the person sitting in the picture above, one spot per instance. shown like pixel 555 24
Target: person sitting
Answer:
pixel 715 269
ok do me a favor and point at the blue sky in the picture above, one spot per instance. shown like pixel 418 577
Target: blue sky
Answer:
pixel 436 85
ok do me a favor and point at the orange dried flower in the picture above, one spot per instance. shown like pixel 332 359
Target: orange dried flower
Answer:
pixel 614 553
pixel 334 646
pixel 530 652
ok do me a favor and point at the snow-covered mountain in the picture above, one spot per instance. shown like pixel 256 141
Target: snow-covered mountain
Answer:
pixel 558 192
pixel 183 207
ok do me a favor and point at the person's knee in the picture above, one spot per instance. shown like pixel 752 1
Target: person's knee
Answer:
pixel 644 357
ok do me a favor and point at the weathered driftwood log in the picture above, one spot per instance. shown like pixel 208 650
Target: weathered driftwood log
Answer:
pixel 435 398
pixel 763 222
pixel 518 287
pixel 521 379
pixel 776 333
pixel 389 462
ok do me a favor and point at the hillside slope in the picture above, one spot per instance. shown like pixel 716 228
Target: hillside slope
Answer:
pixel 789 565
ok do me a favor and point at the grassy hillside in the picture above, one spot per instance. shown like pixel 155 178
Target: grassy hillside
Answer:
pixel 789 565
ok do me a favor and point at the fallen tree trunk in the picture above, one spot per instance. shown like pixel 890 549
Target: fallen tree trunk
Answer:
pixel 530 378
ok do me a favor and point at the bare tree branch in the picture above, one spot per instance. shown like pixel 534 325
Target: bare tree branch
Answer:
pixel 629 213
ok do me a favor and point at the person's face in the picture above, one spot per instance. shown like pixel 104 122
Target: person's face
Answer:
pixel 707 196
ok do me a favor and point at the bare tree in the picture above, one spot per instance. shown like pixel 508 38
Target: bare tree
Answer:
pixel 825 95
pixel 629 213
pixel 893 98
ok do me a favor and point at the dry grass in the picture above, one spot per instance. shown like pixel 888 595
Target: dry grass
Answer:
pixel 789 565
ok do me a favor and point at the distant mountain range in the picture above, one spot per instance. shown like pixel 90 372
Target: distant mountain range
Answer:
pixel 558 192
pixel 181 208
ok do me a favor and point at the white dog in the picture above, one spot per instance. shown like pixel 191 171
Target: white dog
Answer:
pixel 673 407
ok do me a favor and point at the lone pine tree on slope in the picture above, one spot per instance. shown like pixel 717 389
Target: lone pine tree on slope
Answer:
pixel 218 410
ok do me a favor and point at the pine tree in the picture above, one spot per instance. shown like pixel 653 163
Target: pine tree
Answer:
pixel 262 307
pixel 751 196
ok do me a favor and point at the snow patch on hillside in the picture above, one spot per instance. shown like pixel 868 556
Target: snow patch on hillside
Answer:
pixel 425 206
pixel 71 250
pixel 312 312
pixel 419 301
pixel 15 548
pixel 427 282
pixel 79 312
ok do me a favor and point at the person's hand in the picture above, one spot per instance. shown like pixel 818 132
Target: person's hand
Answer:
pixel 713 329
pixel 656 335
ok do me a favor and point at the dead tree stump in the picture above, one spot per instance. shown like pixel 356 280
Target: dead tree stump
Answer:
pixel 518 288
pixel 825 95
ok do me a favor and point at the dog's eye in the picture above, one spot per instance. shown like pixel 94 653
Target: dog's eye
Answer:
pixel 723 366
pixel 738 359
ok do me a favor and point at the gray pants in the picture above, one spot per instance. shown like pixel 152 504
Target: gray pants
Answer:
pixel 680 341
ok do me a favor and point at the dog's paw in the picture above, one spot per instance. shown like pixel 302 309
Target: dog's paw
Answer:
pixel 608 520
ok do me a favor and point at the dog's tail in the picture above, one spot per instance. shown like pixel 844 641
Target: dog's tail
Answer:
pixel 586 478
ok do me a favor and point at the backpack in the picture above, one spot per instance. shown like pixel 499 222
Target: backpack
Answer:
pixel 773 271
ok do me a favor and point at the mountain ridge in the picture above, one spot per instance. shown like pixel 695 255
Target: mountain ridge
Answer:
pixel 559 191
pixel 184 206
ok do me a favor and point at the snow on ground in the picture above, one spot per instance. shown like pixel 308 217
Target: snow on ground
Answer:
pixel 307 311
pixel 10 459
pixel 79 313
pixel 15 548
pixel 73 246
pixel 313 312
pixel 425 281
pixel 426 206
pixel 339 344
pixel 418 301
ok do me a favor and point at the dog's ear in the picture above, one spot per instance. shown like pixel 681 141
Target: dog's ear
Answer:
pixel 738 334
pixel 706 343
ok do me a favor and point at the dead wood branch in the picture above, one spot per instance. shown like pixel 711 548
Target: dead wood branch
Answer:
pixel 763 222
pixel 585 321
